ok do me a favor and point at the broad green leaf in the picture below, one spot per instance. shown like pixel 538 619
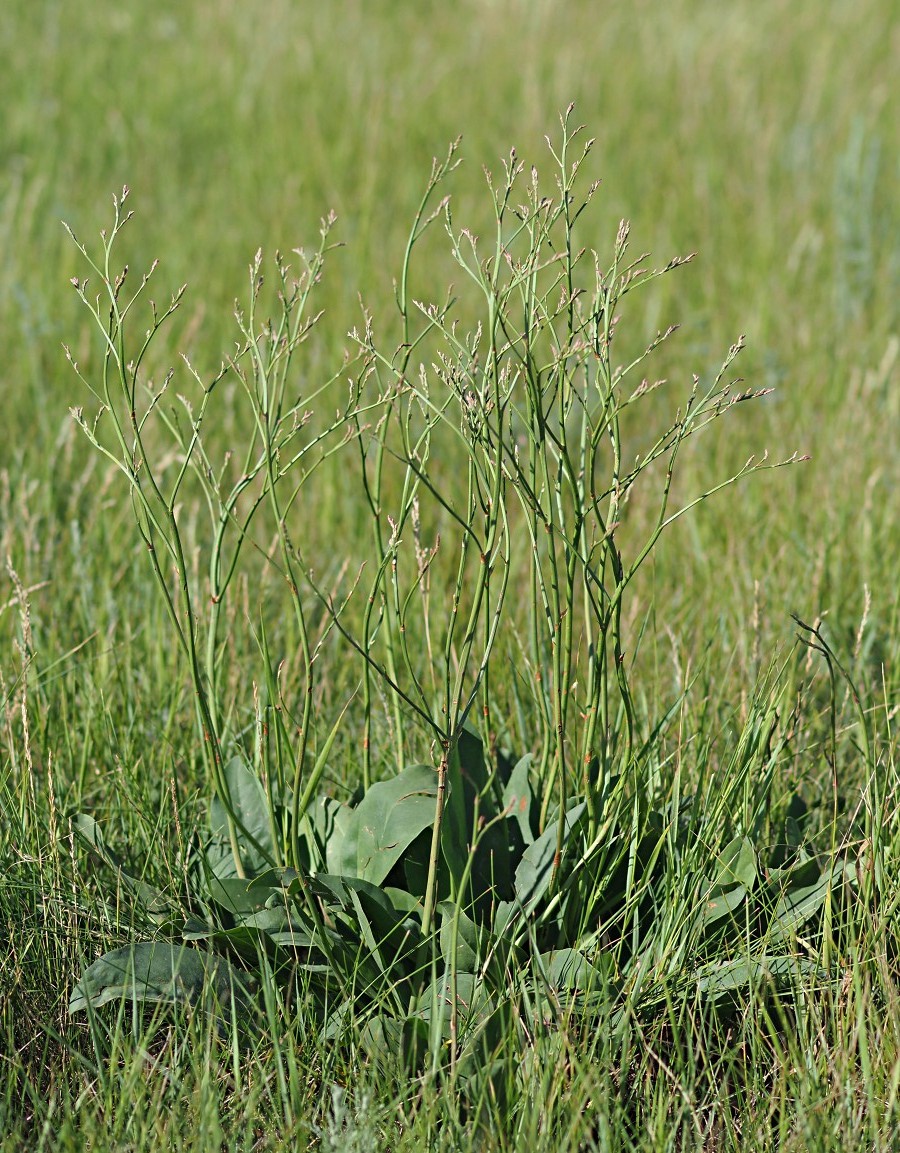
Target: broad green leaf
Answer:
pixel 535 871
pixel 251 930
pixel 293 938
pixel 403 901
pixel 251 807
pixel 244 942
pixel 506 915
pixel 471 995
pixel 461 932
pixel 218 859
pixel 519 799
pixel 388 933
pixel 793 832
pixel 720 978
pixel 800 874
pixel 341 889
pixel 386 821
pixel 735 877
pixel 722 905
pixel 284 880
pixel 159 971
pixel 89 833
pixel 236 896
pixel 342 843
pixel 467 1012
pixel 415 867
pixel 478 1022
pixel 456 840
pixel 270 920
pixel 321 826
pixel 737 865
pixel 493 866
pixel 386 1040
pixel 796 906
pixel 473 768
pixel 379 949
pixel 467 780
pixel 570 970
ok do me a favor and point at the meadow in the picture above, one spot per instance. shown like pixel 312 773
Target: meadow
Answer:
pixel 561 576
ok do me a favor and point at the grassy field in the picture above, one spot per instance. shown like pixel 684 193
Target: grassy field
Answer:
pixel 736 750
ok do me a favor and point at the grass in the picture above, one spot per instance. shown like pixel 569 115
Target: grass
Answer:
pixel 762 137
